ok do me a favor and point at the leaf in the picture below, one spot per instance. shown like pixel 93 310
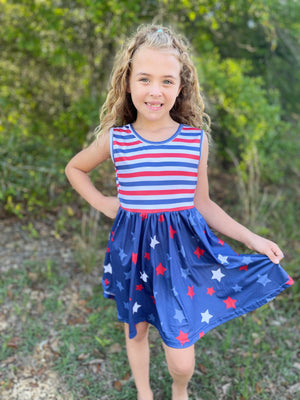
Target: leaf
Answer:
pixel 258 388
pixel 118 385
pixel 76 320
pixel 126 377
pixel 115 348
pixel 202 368
pixel 14 342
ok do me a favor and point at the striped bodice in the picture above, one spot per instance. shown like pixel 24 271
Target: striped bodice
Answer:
pixel 156 176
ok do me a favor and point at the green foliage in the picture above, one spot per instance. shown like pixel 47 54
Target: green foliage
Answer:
pixel 56 58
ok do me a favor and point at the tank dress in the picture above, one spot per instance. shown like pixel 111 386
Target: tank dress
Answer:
pixel 163 264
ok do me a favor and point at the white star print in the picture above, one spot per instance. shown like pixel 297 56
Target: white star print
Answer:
pixel 127 275
pixel 246 260
pixel 184 273
pixel 108 269
pixel 122 255
pixel 151 317
pixel 179 315
pixel 206 316
pixel 263 279
pixel 174 291
pixel 217 274
pixel 237 288
pixel 144 276
pixel 132 236
pixel 223 259
pixel 135 307
pixel 154 242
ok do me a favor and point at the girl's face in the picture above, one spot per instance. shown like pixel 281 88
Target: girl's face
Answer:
pixel 154 84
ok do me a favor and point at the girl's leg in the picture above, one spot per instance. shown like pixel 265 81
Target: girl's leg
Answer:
pixel 139 359
pixel 181 364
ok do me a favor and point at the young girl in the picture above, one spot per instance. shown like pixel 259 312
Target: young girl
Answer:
pixel 163 264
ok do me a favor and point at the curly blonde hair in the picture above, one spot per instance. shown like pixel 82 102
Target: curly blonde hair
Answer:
pixel 118 109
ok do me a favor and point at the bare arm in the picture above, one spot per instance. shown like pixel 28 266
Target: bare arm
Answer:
pixel 219 220
pixel 77 172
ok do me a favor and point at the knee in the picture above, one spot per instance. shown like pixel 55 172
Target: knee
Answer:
pixel 182 368
pixel 142 330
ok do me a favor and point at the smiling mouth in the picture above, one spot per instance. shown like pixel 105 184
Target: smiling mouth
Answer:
pixel 154 106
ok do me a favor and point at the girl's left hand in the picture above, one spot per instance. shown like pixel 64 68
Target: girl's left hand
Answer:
pixel 265 246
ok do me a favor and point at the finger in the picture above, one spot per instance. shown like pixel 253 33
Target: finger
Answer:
pixel 273 257
pixel 277 251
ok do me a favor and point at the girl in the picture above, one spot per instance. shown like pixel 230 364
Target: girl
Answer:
pixel 163 264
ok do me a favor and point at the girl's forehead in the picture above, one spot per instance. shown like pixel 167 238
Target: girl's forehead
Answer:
pixel 145 54
pixel 146 48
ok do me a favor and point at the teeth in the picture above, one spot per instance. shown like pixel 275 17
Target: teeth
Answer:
pixel 154 105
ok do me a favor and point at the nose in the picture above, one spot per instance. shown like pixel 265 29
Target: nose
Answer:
pixel 155 90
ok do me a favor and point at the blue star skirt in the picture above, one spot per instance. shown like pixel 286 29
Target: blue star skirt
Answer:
pixel 169 269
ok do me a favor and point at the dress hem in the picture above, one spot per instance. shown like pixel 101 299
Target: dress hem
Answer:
pixel 252 307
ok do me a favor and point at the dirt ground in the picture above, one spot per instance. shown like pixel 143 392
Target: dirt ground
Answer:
pixel 31 377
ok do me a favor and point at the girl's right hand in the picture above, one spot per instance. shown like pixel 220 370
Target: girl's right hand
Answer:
pixel 110 206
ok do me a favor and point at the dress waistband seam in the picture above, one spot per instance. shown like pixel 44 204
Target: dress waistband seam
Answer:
pixel 158 211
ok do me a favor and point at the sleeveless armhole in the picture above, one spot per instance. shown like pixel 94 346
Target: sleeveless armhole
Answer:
pixel 201 143
pixel 111 144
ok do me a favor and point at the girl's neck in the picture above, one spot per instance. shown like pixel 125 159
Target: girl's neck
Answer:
pixel 156 132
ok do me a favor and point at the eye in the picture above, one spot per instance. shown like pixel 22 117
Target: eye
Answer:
pixel 167 82
pixel 144 80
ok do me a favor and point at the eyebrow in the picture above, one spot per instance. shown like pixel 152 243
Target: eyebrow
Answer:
pixel 164 76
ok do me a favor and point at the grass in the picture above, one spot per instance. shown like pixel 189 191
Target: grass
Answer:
pixel 254 357
pixel 246 358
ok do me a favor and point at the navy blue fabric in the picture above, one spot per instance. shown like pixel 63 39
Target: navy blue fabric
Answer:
pixel 169 269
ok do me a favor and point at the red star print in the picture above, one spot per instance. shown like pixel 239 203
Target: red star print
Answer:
pixel 191 292
pixel 243 268
pixel 144 216
pixel 134 257
pixel 106 281
pixel 161 218
pixel 112 236
pixel 147 255
pixel 160 270
pixel 201 334
pixel 230 302
pixel 153 298
pixel 290 281
pixel 107 250
pixel 210 291
pixel 221 242
pixel 183 338
pixel 199 252
pixel 172 232
pixel 139 287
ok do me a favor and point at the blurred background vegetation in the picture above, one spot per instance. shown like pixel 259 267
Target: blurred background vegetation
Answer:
pixel 56 57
